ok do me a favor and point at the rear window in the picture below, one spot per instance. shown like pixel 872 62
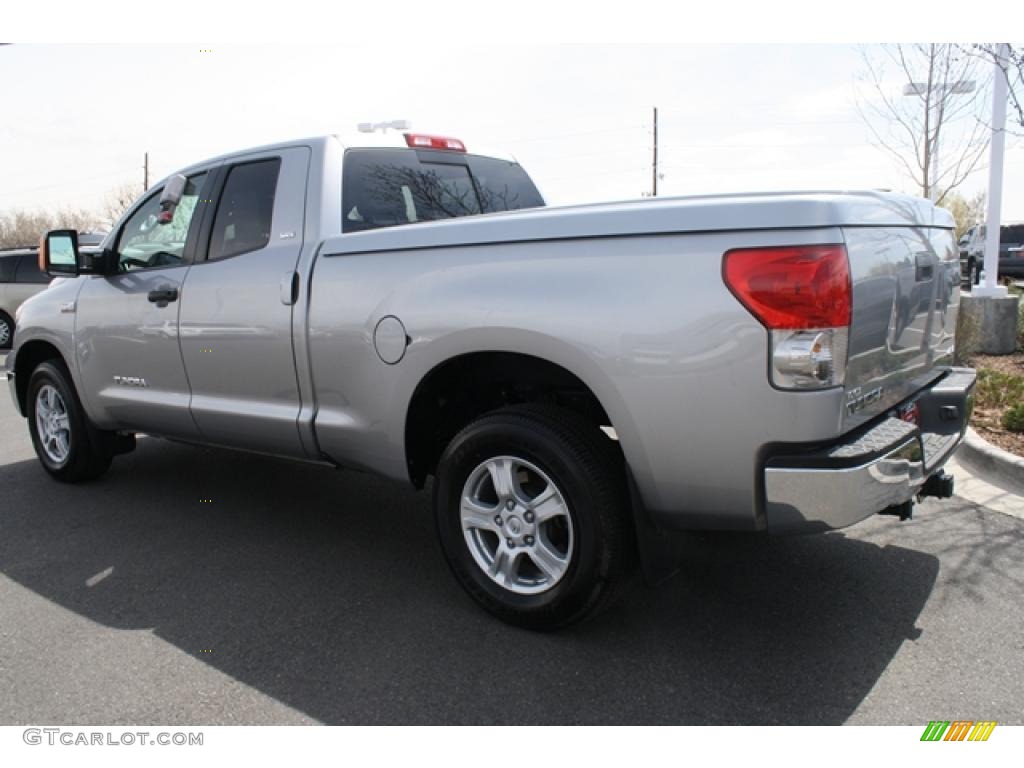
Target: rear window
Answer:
pixel 385 187
pixel 1012 234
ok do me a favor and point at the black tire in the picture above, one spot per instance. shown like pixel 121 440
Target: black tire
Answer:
pixel 589 473
pixel 89 451
pixel 973 273
pixel 6 331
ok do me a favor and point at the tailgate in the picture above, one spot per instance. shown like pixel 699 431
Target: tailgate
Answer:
pixel 906 293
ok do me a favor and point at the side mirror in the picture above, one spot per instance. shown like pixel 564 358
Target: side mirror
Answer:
pixel 58 253
pixel 170 197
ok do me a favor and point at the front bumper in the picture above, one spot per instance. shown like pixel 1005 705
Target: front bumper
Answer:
pixel 820 488
pixel 8 376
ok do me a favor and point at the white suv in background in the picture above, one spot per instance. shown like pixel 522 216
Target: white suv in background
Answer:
pixel 21 278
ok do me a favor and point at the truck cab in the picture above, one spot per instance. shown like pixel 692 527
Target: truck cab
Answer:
pixel 166 318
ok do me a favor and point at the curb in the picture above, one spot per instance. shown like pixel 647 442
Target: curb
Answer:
pixel 992 462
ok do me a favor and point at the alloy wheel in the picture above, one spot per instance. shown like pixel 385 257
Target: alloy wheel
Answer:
pixel 52 424
pixel 517 525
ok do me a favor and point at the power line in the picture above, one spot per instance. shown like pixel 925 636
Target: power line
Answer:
pixel 64 184
pixel 574 135
pixel 650 127
pixel 635 169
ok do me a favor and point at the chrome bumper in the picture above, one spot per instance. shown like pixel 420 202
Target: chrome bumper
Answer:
pixel 884 466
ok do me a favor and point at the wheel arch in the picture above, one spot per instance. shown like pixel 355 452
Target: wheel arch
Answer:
pixel 510 369
pixel 29 355
pixel 10 322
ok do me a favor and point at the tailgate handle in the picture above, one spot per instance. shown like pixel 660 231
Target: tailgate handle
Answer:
pixel 925 267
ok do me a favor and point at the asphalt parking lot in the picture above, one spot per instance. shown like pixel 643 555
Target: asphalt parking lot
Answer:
pixel 198 586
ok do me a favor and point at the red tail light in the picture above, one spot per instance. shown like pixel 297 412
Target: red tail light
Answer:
pixel 422 141
pixel 792 287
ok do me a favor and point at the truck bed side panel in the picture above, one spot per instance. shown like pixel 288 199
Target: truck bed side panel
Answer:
pixel 645 321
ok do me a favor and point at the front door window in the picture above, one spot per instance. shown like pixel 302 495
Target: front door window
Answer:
pixel 145 243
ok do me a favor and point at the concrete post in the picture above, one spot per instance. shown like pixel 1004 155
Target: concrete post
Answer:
pixel 989 325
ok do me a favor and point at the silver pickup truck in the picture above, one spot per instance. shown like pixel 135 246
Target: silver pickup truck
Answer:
pixel 577 381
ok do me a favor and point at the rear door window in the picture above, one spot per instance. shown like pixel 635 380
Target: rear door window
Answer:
pixel 386 187
pixel 246 209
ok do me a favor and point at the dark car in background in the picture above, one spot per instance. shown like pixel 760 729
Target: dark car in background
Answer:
pixel 21 278
pixel 1011 252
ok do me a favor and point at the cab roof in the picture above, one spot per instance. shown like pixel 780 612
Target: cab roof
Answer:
pixel 393 140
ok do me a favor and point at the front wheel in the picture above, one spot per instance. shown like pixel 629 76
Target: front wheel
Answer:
pixel 6 331
pixel 532 513
pixel 67 445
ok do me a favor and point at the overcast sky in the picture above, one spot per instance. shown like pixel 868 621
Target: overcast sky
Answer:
pixel 77 119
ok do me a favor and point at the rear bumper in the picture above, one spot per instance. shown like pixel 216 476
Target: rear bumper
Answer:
pixel 820 488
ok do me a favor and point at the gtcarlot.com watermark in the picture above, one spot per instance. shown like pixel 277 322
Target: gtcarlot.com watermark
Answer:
pixel 75 738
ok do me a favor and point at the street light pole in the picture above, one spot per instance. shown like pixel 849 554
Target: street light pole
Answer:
pixel 654 163
pixel 396 125
pixel 995 178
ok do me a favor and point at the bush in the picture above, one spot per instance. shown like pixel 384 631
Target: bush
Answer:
pixel 996 389
pixel 1020 327
pixel 1014 290
pixel 1013 419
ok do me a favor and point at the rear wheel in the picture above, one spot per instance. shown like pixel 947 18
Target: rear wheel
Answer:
pixel 67 445
pixel 532 513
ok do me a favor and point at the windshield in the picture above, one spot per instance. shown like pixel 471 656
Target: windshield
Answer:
pixel 385 187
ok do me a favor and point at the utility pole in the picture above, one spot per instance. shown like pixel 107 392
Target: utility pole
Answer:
pixel 654 164
pixel 145 172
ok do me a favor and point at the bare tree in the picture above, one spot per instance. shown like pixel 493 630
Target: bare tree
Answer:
pixel 967 211
pixel 931 102
pixel 20 228
pixel 1013 71
pixel 119 199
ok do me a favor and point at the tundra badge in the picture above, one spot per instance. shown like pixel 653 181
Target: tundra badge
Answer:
pixel 857 400
pixel 131 381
